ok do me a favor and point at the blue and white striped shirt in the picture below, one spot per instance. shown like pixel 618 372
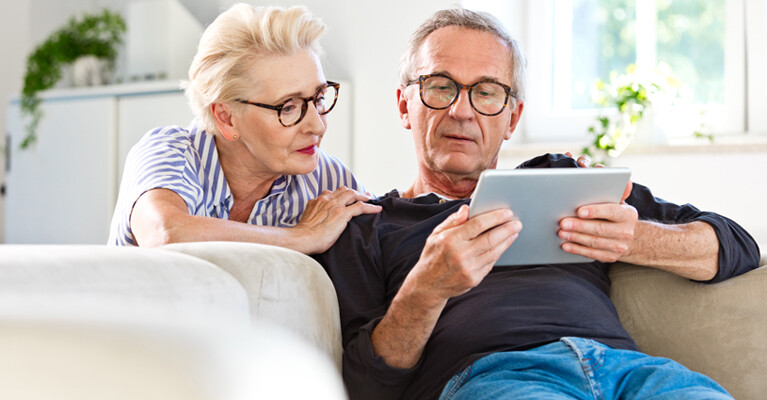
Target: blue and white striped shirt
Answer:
pixel 186 161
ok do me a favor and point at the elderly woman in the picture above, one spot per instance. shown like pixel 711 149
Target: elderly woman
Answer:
pixel 249 167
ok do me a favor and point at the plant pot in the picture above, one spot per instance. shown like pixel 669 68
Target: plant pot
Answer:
pixel 647 132
pixel 89 71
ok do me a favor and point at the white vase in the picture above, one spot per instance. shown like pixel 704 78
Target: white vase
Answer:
pixel 647 132
pixel 89 71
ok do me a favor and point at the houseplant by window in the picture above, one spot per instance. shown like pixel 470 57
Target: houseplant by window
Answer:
pixel 628 99
pixel 92 35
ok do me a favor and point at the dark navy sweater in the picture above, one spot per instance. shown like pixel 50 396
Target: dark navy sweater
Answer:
pixel 513 308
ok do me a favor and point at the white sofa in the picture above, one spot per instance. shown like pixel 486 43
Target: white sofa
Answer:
pixel 190 321
pixel 231 320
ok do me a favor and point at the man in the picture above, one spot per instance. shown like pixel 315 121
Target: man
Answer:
pixel 423 310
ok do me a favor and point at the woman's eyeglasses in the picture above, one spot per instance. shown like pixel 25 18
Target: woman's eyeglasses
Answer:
pixel 293 110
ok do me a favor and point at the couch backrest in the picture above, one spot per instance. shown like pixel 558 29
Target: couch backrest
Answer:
pixel 717 329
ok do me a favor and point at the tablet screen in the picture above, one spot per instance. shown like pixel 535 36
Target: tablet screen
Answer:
pixel 540 198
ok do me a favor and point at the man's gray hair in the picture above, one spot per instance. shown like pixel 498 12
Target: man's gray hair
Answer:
pixel 464 18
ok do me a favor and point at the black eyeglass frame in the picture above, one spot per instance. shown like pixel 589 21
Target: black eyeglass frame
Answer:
pixel 304 107
pixel 469 88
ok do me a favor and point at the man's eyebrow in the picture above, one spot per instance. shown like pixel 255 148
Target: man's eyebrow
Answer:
pixel 481 78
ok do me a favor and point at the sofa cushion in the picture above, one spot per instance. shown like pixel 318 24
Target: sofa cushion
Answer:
pixel 714 329
pixel 90 282
pixel 283 286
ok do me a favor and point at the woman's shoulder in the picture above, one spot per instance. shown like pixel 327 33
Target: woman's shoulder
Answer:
pixel 333 173
pixel 173 138
pixel 329 161
pixel 173 135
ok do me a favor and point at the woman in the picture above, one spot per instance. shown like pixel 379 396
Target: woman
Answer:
pixel 248 168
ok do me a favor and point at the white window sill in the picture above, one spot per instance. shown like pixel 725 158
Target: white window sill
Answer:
pixel 743 143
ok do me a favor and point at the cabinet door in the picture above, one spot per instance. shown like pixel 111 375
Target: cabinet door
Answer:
pixel 141 113
pixel 61 189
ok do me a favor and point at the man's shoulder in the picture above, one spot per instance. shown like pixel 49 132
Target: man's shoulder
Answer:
pixel 549 160
pixel 398 212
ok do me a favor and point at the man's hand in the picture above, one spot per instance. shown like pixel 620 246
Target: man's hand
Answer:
pixel 457 256
pixel 604 232
pixel 460 251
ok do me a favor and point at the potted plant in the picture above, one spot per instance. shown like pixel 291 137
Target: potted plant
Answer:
pixel 629 97
pixel 92 35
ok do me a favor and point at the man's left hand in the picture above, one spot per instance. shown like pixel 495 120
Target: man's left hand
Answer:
pixel 604 232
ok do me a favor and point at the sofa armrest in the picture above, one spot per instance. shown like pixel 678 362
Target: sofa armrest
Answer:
pixel 716 329
pixel 102 283
pixel 283 286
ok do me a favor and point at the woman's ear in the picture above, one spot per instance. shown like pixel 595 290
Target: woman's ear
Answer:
pixel 222 113
pixel 404 114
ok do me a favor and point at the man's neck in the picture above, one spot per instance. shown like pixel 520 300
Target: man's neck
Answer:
pixel 445 185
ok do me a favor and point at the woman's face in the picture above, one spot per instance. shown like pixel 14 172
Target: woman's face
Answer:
pixel 276 149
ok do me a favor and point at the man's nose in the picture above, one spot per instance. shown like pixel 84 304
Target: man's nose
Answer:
pixel 462 108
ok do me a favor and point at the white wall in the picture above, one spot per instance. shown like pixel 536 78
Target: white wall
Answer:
pixel 363 44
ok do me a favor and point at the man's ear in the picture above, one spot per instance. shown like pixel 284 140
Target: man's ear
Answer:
pixel 402 100
pixel 514 120
pixel 222 113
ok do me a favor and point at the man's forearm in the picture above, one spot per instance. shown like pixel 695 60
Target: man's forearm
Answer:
pixel 402 334
pixel 690 250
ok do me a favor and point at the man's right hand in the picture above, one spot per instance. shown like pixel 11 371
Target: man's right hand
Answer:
pixel 461 251
pixel 457 256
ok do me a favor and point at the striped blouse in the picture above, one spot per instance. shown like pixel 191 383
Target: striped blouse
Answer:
pixel 186 161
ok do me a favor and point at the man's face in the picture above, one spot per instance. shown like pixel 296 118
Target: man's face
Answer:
pixel 459 142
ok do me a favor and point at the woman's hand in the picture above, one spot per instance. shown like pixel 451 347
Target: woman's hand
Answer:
pixel 326 216
pixel 584 161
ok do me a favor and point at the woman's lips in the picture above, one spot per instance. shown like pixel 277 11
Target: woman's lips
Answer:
pixel 308 150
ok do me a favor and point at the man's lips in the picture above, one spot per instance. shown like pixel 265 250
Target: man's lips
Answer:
pixel 463 138
pixel 308 150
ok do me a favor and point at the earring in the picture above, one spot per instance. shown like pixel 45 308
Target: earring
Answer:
pixel 235 137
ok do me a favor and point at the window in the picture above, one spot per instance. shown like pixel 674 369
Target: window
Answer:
pixel 571 43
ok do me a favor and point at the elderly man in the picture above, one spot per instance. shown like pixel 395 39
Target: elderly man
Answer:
pixel 425 312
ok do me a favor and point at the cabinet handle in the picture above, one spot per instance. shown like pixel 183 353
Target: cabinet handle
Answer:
pixel 7 152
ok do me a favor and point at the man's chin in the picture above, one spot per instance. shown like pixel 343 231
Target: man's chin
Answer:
pixel 463 170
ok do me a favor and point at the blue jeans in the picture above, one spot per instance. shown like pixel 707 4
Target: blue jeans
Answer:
pixel 575 368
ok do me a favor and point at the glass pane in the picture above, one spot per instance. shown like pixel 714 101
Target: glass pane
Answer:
pixel 689 38
pixel 690 35
pixel 604 40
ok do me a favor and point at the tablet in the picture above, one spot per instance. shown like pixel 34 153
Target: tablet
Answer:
pixel 540 198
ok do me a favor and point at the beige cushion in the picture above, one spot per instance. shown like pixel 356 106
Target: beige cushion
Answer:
pixel 91 282
pixel 98 322
pixel 283 286
pixel 717 329
pixel 184 360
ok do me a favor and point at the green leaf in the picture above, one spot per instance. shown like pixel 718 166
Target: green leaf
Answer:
pixel 93 34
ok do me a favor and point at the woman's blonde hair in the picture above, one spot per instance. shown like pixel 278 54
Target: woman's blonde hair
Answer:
pixel 231 43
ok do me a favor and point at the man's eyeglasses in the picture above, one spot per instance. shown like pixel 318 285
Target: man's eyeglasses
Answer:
pixel 487 97
pixel 292 111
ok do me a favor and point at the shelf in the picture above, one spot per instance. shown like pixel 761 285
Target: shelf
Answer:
pixel 118 90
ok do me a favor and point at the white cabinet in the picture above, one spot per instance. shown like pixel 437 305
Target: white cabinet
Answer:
pixel 63 188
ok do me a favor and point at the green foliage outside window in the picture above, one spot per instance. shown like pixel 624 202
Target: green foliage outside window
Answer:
pixel 97 35
pixel 689 38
